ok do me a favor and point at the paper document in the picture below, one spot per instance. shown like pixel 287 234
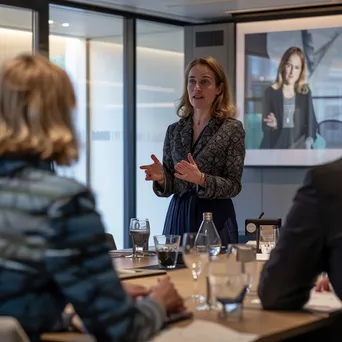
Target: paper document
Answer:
pixel 323 302
pixel 251 243
pixel 203 331
pixel 262 257
pixel 319 302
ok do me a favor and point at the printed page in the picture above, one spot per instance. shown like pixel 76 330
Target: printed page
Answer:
pixel 323 302
pixel 200 330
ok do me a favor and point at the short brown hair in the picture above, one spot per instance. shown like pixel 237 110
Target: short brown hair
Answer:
pixel 36 103
pixel 223 106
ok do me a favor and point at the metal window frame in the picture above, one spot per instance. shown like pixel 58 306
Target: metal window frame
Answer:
pixel 129 120
pixel 40 21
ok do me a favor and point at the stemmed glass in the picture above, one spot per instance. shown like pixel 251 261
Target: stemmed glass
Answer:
pixel 196 257
pixel 139 230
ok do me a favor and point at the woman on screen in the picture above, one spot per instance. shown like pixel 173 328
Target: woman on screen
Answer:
pixel 289 121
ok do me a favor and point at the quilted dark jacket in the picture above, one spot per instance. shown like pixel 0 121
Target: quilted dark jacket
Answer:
pixel 53 251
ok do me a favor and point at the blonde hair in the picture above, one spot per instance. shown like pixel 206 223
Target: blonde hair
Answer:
pixel 36 103
pixel 223 106
pixel 300 86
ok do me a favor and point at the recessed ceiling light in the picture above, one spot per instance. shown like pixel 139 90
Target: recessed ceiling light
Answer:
pixel 65 24
pixel 51 22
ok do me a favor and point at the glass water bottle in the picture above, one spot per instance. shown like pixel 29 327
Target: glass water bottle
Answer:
pixel 208 228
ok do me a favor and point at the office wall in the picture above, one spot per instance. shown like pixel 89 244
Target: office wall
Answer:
pixel 268 190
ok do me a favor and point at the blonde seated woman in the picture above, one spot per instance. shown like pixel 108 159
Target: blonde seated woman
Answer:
pixel 53 248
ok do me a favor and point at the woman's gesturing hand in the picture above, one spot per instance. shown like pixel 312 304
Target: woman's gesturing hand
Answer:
pixel 154 171
pixel 189 171
pixel 271 121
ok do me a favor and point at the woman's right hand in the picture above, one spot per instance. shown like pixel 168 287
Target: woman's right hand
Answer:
pixel 271 121
pixel 154 172
pixel 323 285
pixel 166 294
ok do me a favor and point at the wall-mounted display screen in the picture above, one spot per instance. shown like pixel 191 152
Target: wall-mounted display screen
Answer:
pixel 289 90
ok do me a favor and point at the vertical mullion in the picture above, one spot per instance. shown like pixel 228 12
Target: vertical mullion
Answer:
pixel 40 28
pixel 129 124
pixel 88 116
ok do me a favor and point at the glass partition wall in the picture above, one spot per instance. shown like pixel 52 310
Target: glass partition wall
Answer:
pixel 90 43
pixel 160 67
pixel 89 46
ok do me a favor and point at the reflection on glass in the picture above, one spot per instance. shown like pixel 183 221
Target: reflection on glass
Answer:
pixel 90 49
pixel 139 230
pixel 160 67
pixel 196 257
pixel 231 277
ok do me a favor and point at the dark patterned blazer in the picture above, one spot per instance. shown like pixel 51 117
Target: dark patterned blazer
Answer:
pixel 219 153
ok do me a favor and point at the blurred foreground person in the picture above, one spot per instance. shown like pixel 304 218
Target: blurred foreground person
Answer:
pixel 53 248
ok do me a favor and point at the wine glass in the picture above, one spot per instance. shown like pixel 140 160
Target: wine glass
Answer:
pixel 139 230
pixel 196 257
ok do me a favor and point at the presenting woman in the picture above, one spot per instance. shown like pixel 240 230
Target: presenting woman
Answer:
pixel 289 120
pixel 203 155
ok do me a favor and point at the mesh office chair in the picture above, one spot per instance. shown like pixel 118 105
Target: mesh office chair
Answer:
pixel 331 131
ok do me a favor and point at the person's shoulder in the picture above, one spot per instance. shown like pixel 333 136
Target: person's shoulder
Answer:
pixel 46 182
pixel 178 125
pixel 174 125
pixel 69 196
pixel 271 89
pixel 233 125
pixel 35 190
pixel 51 188
pixel 327 177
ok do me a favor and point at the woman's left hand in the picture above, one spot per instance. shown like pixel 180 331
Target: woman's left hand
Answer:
pixel 188 171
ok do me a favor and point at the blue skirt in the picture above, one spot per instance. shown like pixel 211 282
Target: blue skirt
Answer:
pixel 185 215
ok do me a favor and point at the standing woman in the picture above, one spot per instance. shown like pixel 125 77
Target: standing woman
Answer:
pixel 289 120
pixel 203 155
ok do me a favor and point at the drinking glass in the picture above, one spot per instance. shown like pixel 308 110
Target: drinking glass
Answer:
pixel 139 230
pixel 167 250
pixel 231 277
pixel 196 257
pixel 268 238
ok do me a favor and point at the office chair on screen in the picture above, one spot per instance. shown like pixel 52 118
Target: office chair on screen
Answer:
pixel 331 131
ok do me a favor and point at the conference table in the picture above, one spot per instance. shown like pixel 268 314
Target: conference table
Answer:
pixel 268 325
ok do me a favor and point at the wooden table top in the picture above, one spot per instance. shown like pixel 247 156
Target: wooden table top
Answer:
pixel 268 325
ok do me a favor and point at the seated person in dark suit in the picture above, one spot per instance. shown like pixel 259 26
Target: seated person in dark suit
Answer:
pixel 310 242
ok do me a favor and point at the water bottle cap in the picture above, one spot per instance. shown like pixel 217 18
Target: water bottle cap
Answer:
pixel 207 216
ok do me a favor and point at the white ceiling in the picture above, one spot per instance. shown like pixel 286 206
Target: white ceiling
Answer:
pixel 197 11
pixel 94 25
pixel 81 23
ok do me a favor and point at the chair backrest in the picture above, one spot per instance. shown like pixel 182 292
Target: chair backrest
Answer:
pixel 111 241
pixel 331 130
pixel 11 330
